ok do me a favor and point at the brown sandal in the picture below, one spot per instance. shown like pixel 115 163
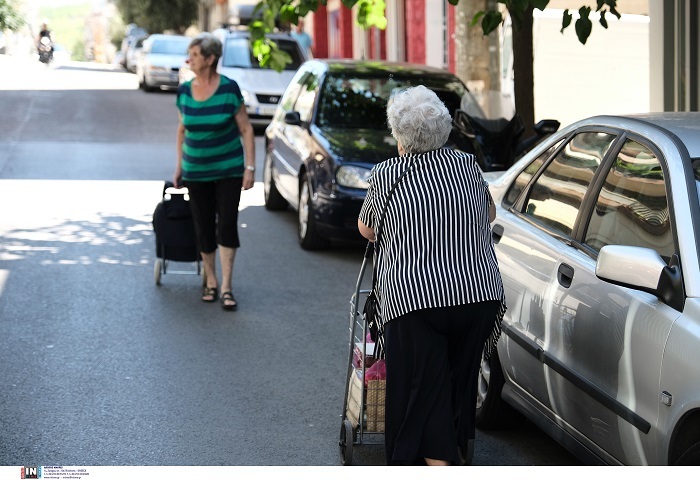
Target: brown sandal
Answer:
pixel 210 295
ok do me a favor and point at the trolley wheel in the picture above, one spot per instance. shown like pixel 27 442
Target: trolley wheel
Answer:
pixel 346 442
pixel 157 269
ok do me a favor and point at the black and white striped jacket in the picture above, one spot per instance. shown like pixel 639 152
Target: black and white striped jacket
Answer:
pixel 435 248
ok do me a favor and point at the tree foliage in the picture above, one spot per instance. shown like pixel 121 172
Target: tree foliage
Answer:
pixel 159 15
pixel 371 13
pixel 10 17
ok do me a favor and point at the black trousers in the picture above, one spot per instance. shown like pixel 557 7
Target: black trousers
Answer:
pixel 432 363
pixel 214 207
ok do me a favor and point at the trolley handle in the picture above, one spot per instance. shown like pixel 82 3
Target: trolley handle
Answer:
pixel 369 250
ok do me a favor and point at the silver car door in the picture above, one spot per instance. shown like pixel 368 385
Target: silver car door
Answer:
pixel 551 207
pixel 527 259
pixel 606 344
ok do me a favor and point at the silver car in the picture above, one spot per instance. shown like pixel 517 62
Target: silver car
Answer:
pixel 159 61
pixel 261 87
pixel 597 236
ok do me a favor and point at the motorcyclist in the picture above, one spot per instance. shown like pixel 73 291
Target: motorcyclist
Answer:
pixel 44 33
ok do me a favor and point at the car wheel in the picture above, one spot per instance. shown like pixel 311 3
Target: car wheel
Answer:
pixel 691 456
pixel 273 199
pixel 492 413
pixel 309 237
pixel 145 86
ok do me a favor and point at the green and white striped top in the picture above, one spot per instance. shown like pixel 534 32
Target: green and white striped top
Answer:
pixel 212 148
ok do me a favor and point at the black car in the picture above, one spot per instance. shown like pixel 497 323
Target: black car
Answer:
pixel 330 128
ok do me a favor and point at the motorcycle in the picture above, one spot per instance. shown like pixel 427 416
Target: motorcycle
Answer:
pixel 495 130
pixel 45 50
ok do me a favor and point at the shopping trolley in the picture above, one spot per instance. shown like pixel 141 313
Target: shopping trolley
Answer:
pixel 363 408
pixel 174 231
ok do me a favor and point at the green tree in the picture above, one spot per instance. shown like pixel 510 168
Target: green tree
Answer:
pixel 371 13
pixel 159 15
pixel 10 18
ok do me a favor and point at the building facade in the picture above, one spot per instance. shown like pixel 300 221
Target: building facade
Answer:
pixel 655 49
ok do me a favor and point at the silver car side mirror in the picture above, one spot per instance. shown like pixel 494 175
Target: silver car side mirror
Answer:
pixel 641 269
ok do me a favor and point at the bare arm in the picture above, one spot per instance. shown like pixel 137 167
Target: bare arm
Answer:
pixel 177 176
pixel 248 137
pixel 492 208
pixel 366 231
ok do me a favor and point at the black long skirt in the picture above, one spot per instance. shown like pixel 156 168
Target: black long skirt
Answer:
pixel 432 364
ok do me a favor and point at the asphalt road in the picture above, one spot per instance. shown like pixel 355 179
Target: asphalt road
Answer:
pixel 98 365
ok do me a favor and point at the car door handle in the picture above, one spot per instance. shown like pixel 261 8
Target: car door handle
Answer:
pixel 497 232
pixel 565 275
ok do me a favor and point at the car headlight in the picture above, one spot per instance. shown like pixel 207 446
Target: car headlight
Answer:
pixel 246 97
pixel 352 176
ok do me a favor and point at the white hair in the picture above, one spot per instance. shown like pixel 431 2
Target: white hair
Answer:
pixel 208 44
pixel 418 119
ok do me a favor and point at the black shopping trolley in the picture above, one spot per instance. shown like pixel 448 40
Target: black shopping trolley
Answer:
pixel 174 230
pixel 363 409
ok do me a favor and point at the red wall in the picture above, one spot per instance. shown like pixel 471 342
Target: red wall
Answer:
pixel 346 32
pixel 319 45
pixel 452 58
pixel 415 31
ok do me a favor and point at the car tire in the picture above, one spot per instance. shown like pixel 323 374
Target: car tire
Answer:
pixel 273 199
pixel 144 85
pixel 492 412
pixel 309 238
pixel 690 457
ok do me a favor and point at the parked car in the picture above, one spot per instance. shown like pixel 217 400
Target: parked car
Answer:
pixel 132 53
pixel 132 33
pixel 597 236
pixel 261 87
pixel 158 64
pixel 330 129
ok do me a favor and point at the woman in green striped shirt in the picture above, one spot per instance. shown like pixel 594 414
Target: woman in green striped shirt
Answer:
pixel 215 161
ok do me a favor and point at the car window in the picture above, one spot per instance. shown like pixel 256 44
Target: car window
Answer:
pixel 171 46
pixel 526 175
pixel 556 195
pixel 238 54
pixel 290 96
pixel 356 101
pixel 632 207
pixel 305 102
pixel 349 102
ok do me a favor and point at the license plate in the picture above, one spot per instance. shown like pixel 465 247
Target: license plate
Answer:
pixel 267 111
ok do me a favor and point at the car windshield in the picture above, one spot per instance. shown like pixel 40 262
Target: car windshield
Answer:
pixel 238 54
pixel 171 46
pixel 351 101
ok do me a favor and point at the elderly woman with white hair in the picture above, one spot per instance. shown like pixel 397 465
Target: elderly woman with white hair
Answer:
pixel 441 298
pixel 215 161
